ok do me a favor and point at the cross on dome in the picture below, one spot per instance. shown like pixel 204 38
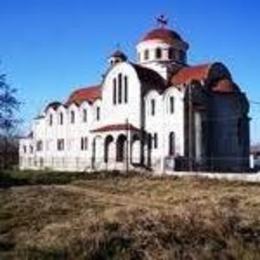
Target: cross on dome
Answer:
pixel 162 21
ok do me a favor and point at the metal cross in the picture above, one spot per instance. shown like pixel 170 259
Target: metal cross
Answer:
pixel 162 21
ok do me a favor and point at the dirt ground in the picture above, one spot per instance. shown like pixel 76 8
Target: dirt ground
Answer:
pixel 131 218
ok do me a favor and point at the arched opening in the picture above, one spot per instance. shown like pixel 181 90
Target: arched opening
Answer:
pixel 120 148
pixel 172 144
pixel 149 149
pixel 108 143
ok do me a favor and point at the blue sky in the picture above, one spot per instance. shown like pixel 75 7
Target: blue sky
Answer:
pixel 48 48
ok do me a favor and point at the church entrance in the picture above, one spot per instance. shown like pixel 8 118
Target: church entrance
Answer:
pixel 108 153
pixel 121 146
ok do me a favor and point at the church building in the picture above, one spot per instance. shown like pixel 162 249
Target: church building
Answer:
pixel 157 113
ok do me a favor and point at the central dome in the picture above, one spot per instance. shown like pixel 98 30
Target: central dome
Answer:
pixel 163 34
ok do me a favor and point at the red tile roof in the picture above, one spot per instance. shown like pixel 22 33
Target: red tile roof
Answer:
pixel 89 94
pixel 163 34
pixel 187 74
pixel 116 127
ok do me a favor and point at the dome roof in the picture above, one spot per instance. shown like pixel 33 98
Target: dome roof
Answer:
pixel 119 54
pixel 166 35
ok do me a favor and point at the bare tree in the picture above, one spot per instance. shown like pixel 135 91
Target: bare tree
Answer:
pixel 9 106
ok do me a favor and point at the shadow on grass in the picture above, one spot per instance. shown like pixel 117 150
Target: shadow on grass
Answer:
pixel 9 179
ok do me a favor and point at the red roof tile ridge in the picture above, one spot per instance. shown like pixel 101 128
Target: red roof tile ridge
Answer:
pixel 195 72
pixel 88 93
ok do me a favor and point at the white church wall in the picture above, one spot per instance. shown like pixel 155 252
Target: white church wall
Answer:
pixel 173 122
pixel 130 110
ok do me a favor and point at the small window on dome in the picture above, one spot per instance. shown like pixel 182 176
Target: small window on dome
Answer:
pixel 146 54
pixel 171 54
pixel 158 53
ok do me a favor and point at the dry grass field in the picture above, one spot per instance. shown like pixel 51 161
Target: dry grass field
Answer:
pixel 120 217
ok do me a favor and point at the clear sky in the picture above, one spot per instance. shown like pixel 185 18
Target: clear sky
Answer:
pixel 50 47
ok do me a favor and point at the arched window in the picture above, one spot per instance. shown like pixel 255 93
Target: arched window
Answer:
pixel 72 117
pixel 114 91
pixel 152 107
pixel 98 114
pixel 120 88
pixel 171 104
pixel 146 54
pixel 158 53
pixel 155 141
pixel 61 118
pixel 51 120
pixel 126 88
pixel 171 144
pixel 84 143
pixel 85 115
pixel 39 146
pixel 150 141
pixel 60 144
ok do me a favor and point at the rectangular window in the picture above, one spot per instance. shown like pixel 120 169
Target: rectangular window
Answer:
pixel 60 144
pixel 24 149
pixel 155 140
pixel 114 92
pixel 171 105
pixel 152 107
pixel 120 88
pixel 98 113
pixel 126 89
